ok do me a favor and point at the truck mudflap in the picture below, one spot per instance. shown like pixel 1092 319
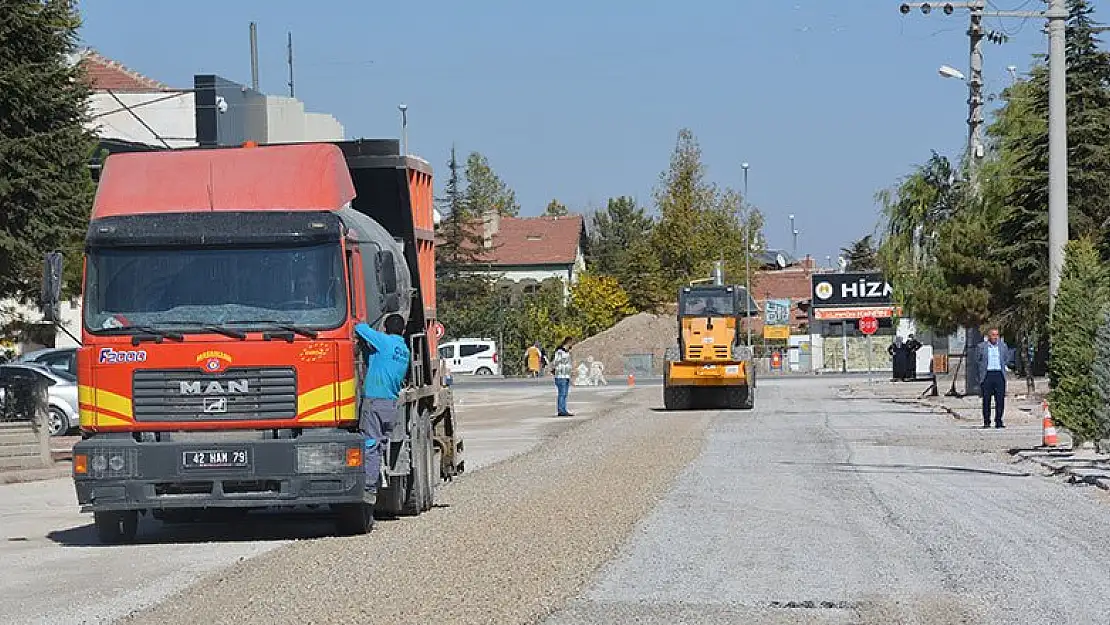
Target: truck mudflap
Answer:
pixel 120 473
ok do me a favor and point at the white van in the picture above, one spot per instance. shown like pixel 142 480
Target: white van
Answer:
pixel 473 356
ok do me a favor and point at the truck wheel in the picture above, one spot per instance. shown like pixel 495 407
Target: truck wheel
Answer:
pixel 418 498
pixel 676 398
pixel 354 519
pixel 116 527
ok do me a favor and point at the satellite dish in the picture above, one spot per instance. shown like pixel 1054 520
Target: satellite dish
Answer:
pixel 840 260
pixel 780 260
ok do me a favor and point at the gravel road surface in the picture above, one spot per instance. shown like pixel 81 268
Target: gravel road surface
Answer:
pixel 826 510
pixel 55 573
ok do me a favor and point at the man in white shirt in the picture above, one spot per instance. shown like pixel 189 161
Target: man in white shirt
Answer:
pixel 993 358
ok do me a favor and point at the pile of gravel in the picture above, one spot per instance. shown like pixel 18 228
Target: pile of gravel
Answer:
pixel 639 342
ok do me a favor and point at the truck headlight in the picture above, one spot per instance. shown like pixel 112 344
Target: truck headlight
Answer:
pixel 107 463
pixel 321 457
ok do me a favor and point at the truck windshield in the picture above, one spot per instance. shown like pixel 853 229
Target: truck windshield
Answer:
pixel 698 304
pixel 192 287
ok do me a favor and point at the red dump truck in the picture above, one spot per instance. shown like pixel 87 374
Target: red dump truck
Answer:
pixel 220 370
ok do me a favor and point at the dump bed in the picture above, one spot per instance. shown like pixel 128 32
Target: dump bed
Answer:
pixel 396 192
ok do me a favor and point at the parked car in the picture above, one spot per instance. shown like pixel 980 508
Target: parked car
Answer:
pixel 62 359
pixel 471 356
pixel 62 392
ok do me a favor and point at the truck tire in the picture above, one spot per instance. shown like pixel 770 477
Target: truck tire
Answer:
pixel 676 398
pixel 419 496
pixel 354 519
pixel 116 527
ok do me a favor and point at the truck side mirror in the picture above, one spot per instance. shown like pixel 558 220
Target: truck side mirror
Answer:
pixel 51 297
pixel 387 272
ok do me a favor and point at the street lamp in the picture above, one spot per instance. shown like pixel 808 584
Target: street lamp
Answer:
pixel 794 233
pixel 404 128
pixel 746 225
pixel 950 72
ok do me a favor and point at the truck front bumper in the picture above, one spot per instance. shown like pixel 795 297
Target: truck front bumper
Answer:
pixel 119 473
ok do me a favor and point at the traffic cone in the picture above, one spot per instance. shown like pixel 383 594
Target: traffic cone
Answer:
pixel 631 380
pixel 1048 429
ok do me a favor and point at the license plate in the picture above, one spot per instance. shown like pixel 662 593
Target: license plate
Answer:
pixel 218 458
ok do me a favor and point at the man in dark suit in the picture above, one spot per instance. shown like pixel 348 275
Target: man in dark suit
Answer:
pixel 993 358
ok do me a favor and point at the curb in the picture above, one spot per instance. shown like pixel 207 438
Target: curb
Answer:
pixel 1062 462
pixel 21 476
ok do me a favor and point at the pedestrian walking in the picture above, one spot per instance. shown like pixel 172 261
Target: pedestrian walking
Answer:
pixel 993 358
pixel 562 367
pixel 533 360
pixel 387 364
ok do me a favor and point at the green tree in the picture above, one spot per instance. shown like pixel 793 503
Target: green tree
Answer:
pixel 698 223
pixel 1100 371
pixel 555 208
pixel 612 233
pixel 913 211
pixel 45 186
pixel 957 289
pixel 485 191
pixel 861 255
pixel 1021 133
pixel 459 244
pixel 1084 293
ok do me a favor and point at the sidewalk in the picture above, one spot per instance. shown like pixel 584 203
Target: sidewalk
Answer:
pixel 1077 466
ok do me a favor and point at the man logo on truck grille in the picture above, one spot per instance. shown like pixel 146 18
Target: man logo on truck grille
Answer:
pixel 234 387
pixel 215 404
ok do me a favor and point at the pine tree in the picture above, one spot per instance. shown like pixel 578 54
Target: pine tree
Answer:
pixel 1100 370
pixel 1022 141
pixel 485 191
pixel 555 208
pixel 861 255
pixel 1084 293
pixel 460 240
pixel 613 232
pixel 45 185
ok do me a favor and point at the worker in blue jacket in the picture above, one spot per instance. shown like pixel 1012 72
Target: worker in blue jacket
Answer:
pixel 387 364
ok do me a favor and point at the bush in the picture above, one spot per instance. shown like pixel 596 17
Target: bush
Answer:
pixel 1073 328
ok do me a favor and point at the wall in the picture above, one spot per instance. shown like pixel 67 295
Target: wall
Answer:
pixel 252 116
pixel 12 310
pixel 170 115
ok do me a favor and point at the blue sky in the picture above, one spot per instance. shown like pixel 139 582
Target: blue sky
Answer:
pixel 580 101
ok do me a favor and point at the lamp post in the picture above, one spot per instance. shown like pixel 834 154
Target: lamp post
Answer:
pixel 404 128
pixel 746 225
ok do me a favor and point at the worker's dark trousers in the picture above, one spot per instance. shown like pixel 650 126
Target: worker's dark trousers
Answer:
pixel 993 387
pixel 375 420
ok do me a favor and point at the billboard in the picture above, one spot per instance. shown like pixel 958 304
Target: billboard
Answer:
pixel 848 290
pixel 776 312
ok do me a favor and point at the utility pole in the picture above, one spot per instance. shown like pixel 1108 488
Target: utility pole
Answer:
pixel 1057 15
pixel 975 92
pixel 290 60
pixel 747 258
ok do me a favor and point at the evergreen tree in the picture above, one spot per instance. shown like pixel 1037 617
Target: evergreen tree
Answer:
pixel 485 191
pixel 613 232
pixel 1022 136
pixel 1084 293
pixel 555 208
pixel 459 244
pixel 861 255
pixel 45 186
pixel 1100 370
pixel 699 223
